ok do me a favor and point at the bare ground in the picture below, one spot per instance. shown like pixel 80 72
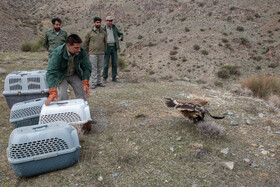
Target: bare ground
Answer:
pixel 139 142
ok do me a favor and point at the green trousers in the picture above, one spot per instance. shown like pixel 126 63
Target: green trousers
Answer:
pixel 113 53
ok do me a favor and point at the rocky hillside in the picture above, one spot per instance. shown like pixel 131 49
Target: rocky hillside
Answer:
pixel 165 39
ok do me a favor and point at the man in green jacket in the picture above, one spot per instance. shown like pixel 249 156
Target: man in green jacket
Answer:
pixel 54 37
pixel 68 63
pixel 95 42
pixel 111 49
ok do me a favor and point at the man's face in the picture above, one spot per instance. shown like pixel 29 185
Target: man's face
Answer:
pixel 74 49
pixel 109 23
pixel 56 26
pixel 97 24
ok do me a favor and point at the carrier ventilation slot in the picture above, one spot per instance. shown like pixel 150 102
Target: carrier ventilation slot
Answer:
pixel 67 117
pixel 26 112
pixel 40 147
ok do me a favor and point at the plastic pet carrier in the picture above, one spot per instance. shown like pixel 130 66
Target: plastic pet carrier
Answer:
pixel 25 85
pixel 75 112
pixel 38 149
pixel 26 113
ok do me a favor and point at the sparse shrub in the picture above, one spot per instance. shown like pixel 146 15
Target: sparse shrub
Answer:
pixel 226 71
pixel 225 34
pixel 232 8
pixel 183 19
pixel 240 28
pixel 33 46
pixel 244 41
pixel 204 52
pixel 273 65
pixel 196 47
pixel 127 70
pixel 257 58
pixel 257 15
pixel 224 40
pixel 274 102
pixel 133 64
pixel 184 59
pixel 262 85
pixel 202 30
pixel 121 63
pixel 187 29
pixel 128 44
pixel 218 84
pixel 26 46
pixel 173 52
pixel 173 58
pixel 228 46
pixel 151 44
pixel 210 130
pixel 258 67
pixel 140 36
pixel 159 30
pixel 175 47
pixel 151 72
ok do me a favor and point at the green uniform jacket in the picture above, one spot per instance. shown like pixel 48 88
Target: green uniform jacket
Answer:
pixel 117 34
pixel 52 40
pixel 58 63
pixel 95 42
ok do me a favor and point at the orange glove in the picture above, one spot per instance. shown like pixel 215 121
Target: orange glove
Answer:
pixel 52 95
pixel 86 87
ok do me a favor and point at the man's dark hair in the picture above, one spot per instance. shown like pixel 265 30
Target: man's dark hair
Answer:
pixel 56 19
pixel 95 19
pixel 73 38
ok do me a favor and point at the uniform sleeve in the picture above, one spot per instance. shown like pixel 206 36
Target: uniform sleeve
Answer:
pixel 85 66
pixel 46 42
pixel 120 34
pixel 53 71
pixel 86 43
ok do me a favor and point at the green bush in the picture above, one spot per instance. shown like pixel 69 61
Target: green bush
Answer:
pixel 224 40
pixel 140 36
pixel 204 52
pixel 240 28
pixel 128 44
pixel 121 63
pixel 37 46
pixel 187 29
pixel 196 47
pixel 223 73
pixel 226 71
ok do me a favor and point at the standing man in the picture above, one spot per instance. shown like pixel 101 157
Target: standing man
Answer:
pixel 95 42
pixel 111 49
pixel 68 64
pixel 54 37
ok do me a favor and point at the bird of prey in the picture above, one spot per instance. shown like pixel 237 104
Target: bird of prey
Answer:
pixel 191 109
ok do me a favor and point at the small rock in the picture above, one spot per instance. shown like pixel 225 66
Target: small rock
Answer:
pixel 254 165
pixel 225 151
pixel 261 115
pixel 247 160
pixel 229 165
pixel 277 132
pixel 264 152
pixel 268 128
pixel 141 124
pixel 186 79
pixel 100 152
pixel 172 148
pixel 100 178
pixel 124 103
pixel 234 123
pixel 271 150
pixel 179 138
pixel 254 145
pixel 101 148
pixel 115 174
pixel 228 113
pixel 249 122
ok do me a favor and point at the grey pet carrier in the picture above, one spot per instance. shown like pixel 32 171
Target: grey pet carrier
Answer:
pixel 38 149
pixel 27 113
pixel 25 85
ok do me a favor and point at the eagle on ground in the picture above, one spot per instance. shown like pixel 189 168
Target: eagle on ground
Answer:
pixel 191 109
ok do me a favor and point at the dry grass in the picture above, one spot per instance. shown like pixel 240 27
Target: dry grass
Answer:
pixel 210 130
pixel 262 85
pixel 274 102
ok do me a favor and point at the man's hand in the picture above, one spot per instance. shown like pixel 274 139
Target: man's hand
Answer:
pixel 120 38
pixel 86 87
pixel 52 95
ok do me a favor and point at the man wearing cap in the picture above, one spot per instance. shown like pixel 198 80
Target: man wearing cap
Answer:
pixel 54 37
pixel 111 49
pixel 95 42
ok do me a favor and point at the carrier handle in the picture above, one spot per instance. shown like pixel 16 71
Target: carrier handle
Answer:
pixel 40 128
pixel 62 103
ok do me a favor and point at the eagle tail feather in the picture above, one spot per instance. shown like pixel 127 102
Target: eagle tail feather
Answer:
pixel 170 102
pixel 215 117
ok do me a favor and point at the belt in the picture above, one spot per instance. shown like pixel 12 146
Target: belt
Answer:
pixel 111 44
